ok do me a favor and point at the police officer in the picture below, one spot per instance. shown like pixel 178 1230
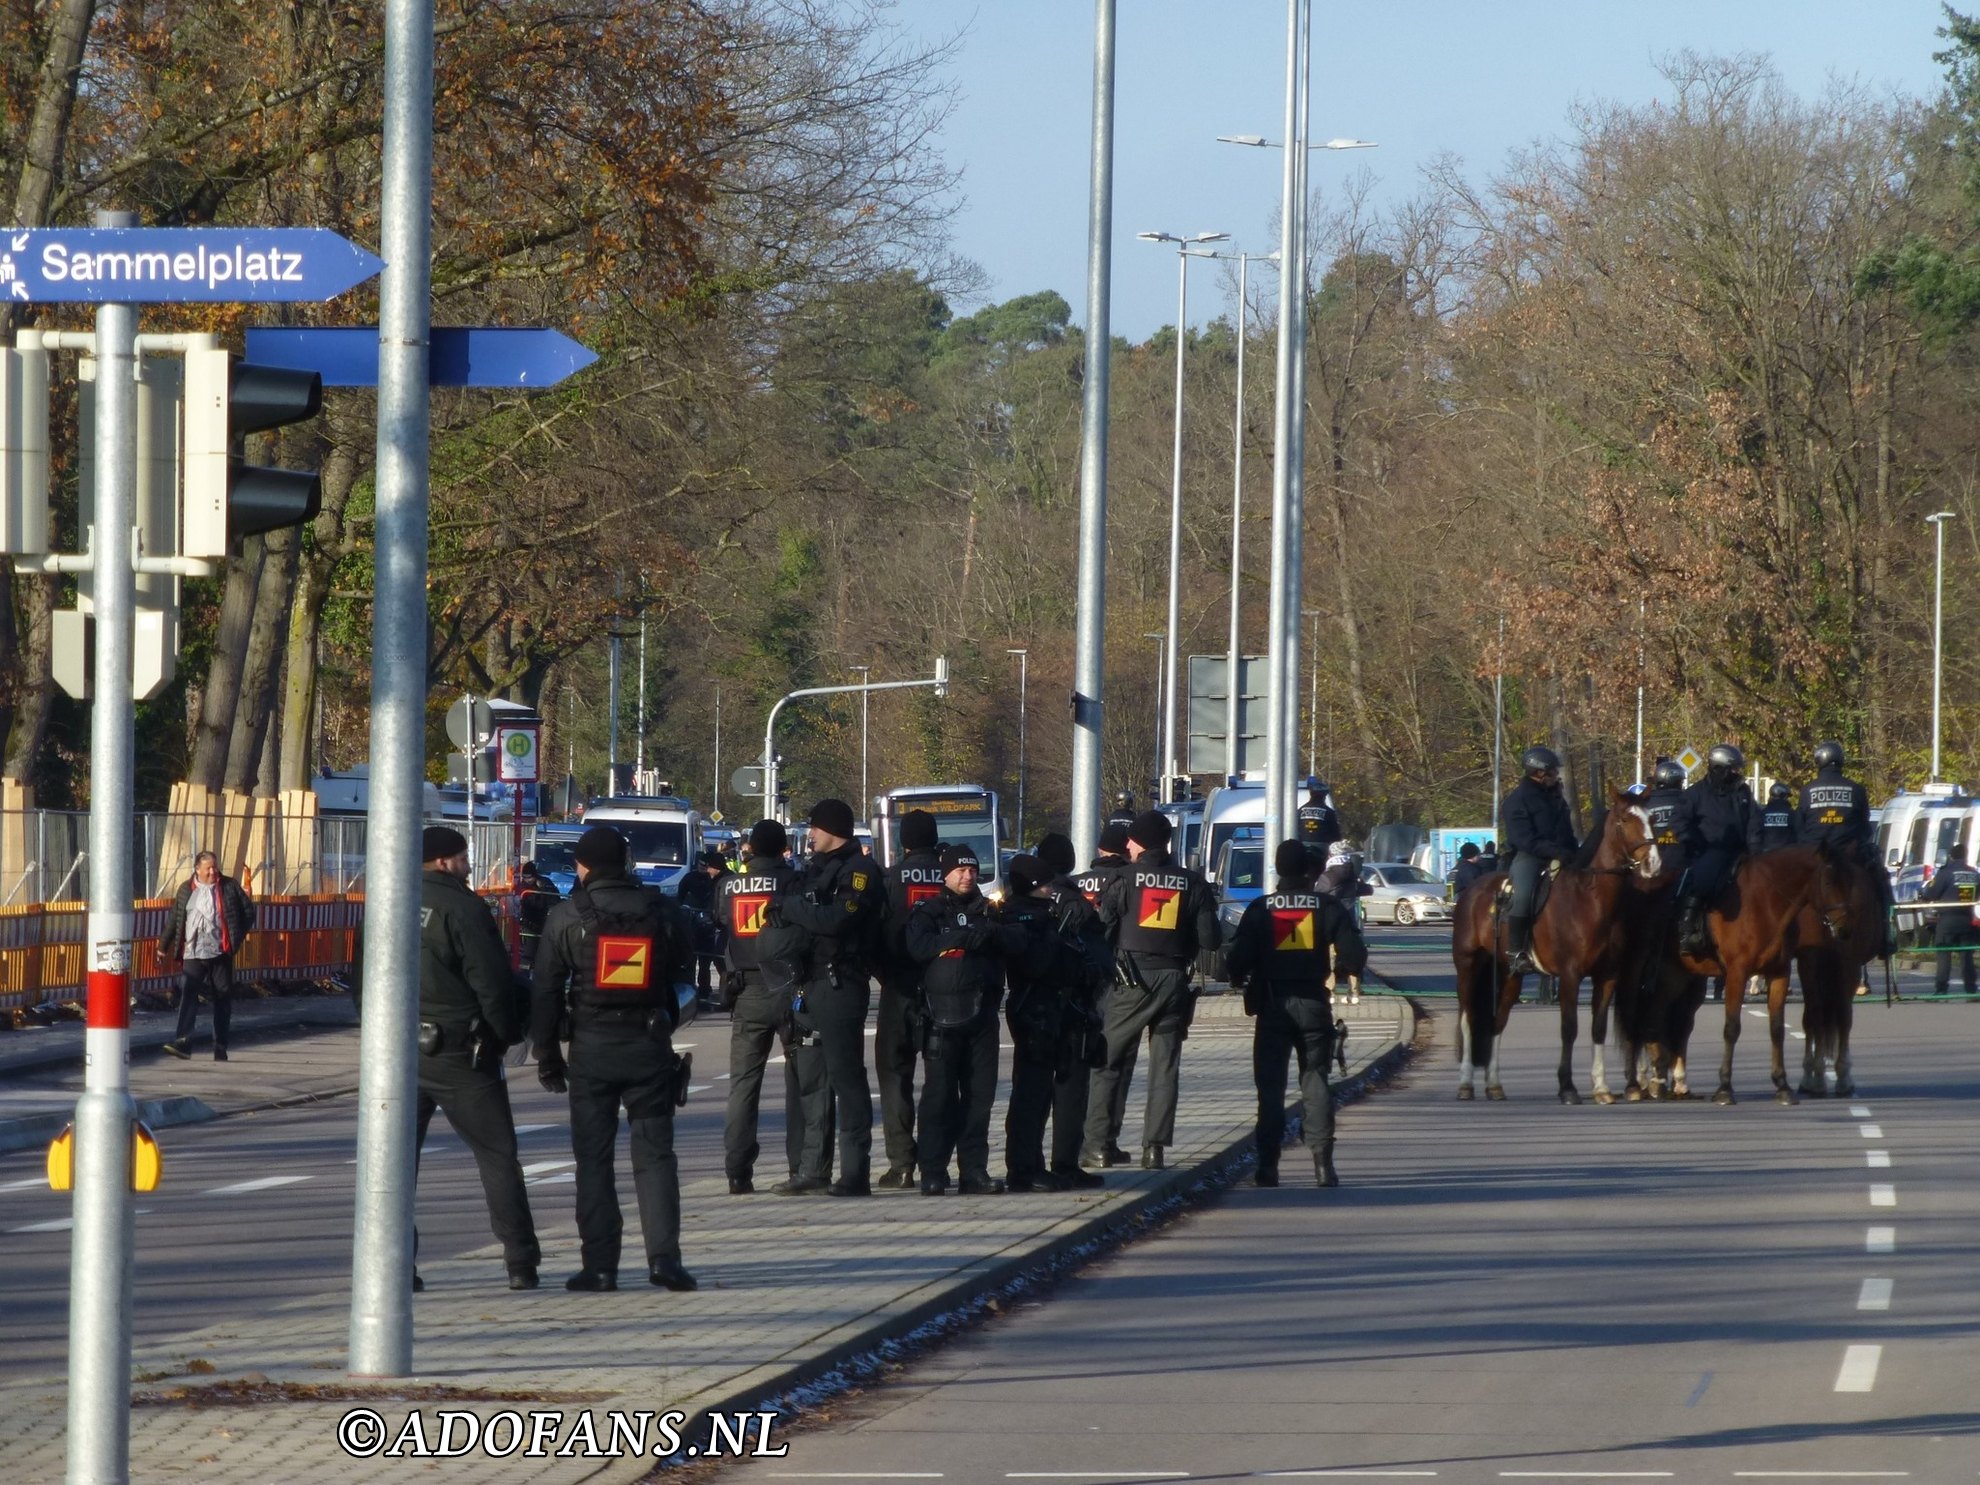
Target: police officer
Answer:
pixel 761 1014
pixel 536 895
pixel 1667 782
pixel 1319 826
pixel 1538 829
pixel 1123 812
pixel 1049 1012
pixel 1109 861
pixel 469 1012
pixel 836 904
pixel 1714 822
pixel 1159 916
pixel 696 897
pixel 1774 825
pixel 897 1038
pixel 1280 956
pixel 1836 809
pixel 961 949
pixel 611 955
pixel 1953 882
pixel 1467 870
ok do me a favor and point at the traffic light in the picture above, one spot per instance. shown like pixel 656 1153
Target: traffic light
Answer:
pixel 226 498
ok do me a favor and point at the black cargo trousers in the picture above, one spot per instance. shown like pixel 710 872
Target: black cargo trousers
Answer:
pixel 1160 1006
pixel 1294 1022
pixel 835 1011
pixel 476 1103
pixel 615 1061
pixel 762 1019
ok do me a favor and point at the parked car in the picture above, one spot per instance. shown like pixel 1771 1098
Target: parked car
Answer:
pixel 1401 893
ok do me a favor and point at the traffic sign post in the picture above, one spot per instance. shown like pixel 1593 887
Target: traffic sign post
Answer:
pixel 463 356
pixel 176 265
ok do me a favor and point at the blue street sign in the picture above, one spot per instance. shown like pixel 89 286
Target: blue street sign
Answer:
pixel 462 356
pixel 160 265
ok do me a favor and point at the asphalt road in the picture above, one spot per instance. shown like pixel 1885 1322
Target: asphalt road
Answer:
pixel 1509 1291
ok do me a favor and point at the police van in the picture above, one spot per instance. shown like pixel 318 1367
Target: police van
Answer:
pixel 1915 829
pixel 1229 810
pixel 662 831
pixel 965 815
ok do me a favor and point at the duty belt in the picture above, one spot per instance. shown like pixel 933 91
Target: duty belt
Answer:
pixel 1157 961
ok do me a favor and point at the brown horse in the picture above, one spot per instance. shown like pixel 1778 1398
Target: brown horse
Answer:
pixel 1836 939
pixel 1757 928
pixel 1574 938
pixel 1656 1000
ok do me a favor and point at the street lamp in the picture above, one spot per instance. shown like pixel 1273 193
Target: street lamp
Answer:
pixel 1313 723
pixel 865 801
pixel 1024 663
pixel 1260 142
pixel 1160 637
pixel 1167 763
pixel 1938 523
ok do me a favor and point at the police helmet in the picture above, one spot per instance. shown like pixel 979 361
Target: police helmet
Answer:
pixel 1540 760
pixel 1829 754
pixel 1725 762
pixel 1778 794
pixel 1669 774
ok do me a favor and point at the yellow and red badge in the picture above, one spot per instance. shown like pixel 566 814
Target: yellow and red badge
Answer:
pixel 748 914
pixel 1292 929
pixel 1161 909
pixel 624 963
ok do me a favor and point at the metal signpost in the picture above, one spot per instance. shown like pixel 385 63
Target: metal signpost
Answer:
pixel 768 784
pixel 119 266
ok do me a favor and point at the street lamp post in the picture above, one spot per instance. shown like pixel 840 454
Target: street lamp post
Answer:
pixel 1024 665
pixel 1313 690
pixel 1938 524
pixel 1160 639
pixel 864 671
pixel 1183 255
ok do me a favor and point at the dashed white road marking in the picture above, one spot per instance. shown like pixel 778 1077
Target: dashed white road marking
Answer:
pixel 61 1224
pixel 1874 1295
pixel 538 1167
pixel 699 1087
pixel 1871 1131
pixel 1585 1474
pixel 535 1128
pixel 1878 1159
pixel 1859 1369
pixel 24 1185
pixel 562 1178
pixel 1880 1240
pixel 1859 1111
pixel 1883 1196
pixel 241 1188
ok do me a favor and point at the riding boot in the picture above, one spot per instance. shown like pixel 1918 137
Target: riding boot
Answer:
pixel 1323 1164
pixel 1519 944
pixel 1691 928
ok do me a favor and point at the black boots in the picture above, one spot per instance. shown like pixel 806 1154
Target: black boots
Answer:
pixel 1323 1165
pixel 1519 946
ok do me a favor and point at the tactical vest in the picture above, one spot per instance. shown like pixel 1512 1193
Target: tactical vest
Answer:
pixel 1092 883
pixel 918 883
pixel 626 957
pixel 961 984
pixel 744 910
pixel 1157 899
pixel 1966 883
pixel 1297 959
pixel 1661 805
pixel 1777 825
pixel 1831 807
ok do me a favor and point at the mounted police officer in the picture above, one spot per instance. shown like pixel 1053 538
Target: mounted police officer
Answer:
pixel 1835 810
pixel 470 1011
pixel 1052 1019
pixel 897 1039
pixel 961 948
pixel 836 904
pixel 1714 823
pixel 1109 861
pixel 1954 882
pixel 1280 956
pixel 1774 824
pixel 1666 792
pixel 1539 828
pixel 1123 811
pixel 1319 826
pixel 1159 916
pixel 759 986
pixel 611 955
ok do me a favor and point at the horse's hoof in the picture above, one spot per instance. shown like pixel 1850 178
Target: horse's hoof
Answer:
pixel 1814 1089
pixel 1724 1097
pixel 1465 1094
pixel 1569 1095
pixel 1495 1093
pixel 1632 1094
pixel 1785 1096
pixel 1684 1093
pixel 1845 1087
pixel 1604 1097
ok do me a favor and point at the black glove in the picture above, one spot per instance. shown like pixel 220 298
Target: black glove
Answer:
pixel 550 1072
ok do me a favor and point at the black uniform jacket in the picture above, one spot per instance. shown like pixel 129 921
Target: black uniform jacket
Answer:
pixel 1835 809
pixel 1712 817
pixel 463 963
pixel 836 902
pixel 565 957
pixel 1260 935
pixel 1536 821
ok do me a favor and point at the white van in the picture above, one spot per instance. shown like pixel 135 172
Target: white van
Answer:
pixel 349 793
pixel 1916 828
pixel 1228 809
pixel 662 831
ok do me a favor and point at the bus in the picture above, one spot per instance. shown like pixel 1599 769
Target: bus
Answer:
pixel 965 814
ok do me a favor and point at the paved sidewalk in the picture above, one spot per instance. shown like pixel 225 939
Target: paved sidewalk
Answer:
pixel 792 1288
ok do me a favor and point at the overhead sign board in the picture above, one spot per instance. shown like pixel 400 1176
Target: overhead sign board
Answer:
pixel 160 265
pixel 1208 694
pixel 459 356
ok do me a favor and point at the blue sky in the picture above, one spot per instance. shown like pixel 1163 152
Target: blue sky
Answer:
pixel 1477 79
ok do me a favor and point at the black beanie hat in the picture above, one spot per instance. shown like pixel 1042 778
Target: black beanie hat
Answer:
pixel 1113 839
pixel 1292 859
pixel 917 831
pixel 1026 872
pixel 767 838
pixel 439 842
pixel 834 817
pixel 602 849
pixel 1151 830
pixel 959 855
pixel 1056 851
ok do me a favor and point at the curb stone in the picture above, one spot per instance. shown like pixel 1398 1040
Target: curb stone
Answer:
pixel 30 1130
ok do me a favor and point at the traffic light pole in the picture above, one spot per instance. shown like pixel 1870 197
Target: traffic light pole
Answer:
pixel 388 1067
pixel 103 1234
pixel 940 682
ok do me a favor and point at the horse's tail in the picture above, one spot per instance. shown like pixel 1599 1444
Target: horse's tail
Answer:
pixel 1481 1003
